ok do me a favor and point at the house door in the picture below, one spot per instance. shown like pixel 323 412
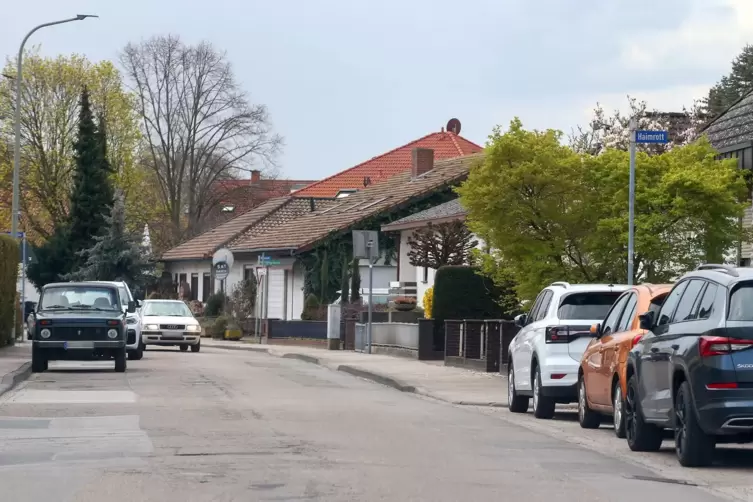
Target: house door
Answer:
pixel 194 286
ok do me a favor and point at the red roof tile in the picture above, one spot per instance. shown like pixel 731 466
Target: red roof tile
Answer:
pixel 446 145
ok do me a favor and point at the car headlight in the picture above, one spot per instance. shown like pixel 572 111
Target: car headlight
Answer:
pixel 112 333
pixel 151 327
pixel 193 327
pixel 45 333
pixel 131 320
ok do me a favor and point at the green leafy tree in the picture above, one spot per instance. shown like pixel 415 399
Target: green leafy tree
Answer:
pixel 345 282
pixel 355 282
pixel 731 87
pixel 552 214
pixel 115 255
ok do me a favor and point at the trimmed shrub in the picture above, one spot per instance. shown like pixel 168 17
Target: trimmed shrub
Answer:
pixel 460 292
pixel 8 297
pixel 219 327
pixel 311 308
pixel 215 305
pixel 427 302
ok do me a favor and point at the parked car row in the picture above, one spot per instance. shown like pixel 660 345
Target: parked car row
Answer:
pixel 654 357
pixel 101 320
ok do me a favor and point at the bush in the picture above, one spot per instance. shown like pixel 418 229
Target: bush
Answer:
pixel 460 292
pixel 219 327
pixel 427 302
pixel 196 307
pixel 215 305
pixel 8 297
pixel 243 299
pixel 311 308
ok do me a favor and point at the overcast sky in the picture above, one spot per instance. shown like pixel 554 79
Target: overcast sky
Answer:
pixel 346 80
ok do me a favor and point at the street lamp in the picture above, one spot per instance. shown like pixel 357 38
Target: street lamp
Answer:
pixel 17 118
pixel 17 133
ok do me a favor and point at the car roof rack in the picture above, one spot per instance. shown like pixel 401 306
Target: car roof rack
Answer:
pixel 561 283
pixel 721 268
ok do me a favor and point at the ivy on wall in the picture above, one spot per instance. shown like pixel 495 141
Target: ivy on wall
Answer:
pixel 323 265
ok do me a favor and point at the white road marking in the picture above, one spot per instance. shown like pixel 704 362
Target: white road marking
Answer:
pixel 31 396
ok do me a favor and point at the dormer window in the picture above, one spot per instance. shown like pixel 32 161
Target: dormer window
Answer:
pixel 345 192
pixel 228 209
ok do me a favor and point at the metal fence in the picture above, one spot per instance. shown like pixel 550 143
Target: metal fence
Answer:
pixel 478 344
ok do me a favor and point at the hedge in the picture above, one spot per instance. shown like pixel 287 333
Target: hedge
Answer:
pixel 9 253
pixel 460 292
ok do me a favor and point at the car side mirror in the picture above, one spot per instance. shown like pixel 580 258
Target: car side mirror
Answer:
pixel 520 320
pixel 596 330
pixel 646 320
pixel 131 307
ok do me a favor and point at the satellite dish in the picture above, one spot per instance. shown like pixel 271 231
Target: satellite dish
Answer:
pixel 223 255
pixel 453 126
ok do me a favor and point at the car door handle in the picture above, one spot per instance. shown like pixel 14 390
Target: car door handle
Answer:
pixel 654 349
pixel 675 347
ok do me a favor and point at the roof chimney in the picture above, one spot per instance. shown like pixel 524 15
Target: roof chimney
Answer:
pixel 255 176
pixel 423 161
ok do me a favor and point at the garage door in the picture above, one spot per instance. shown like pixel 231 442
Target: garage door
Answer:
pixel 276 303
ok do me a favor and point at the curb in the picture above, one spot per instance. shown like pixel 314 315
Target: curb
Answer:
pixel 376 377
pixel 300 357
pixel 11 380
pixel 246 348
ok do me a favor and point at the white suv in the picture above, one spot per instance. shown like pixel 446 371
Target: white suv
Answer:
pixel 545 354
pixel 134 344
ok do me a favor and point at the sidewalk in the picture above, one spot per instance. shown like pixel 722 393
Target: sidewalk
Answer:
pixel 15 365
pixel 427 378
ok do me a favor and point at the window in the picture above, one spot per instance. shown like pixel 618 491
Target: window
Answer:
pixel 228 209
pixel 248 272
pixel 629 313
pixel 345 192
pixel 426 275
pixel 587 306
pixel 706 305
pixel 685 308
pixel 195 286
pixel 545 303
pixel 206 286
pixel 612 319
pixel 181 279
pixel 745 262
pixel 168 308
pixel 124 299
pixel 741 302
pixel 670 303
pixel 77 297
pixel 536 305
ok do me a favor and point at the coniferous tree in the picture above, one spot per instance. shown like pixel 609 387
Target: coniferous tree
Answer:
pixel 116 255
pixel 92 193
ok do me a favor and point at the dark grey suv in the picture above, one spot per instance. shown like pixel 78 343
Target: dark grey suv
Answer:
pixel 692 371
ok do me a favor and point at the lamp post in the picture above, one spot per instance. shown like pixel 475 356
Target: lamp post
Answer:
pixel 17 134
pixel 17 118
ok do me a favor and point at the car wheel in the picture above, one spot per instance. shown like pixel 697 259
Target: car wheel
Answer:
pixel 136 355
pixel 38 361
pixel 515 403
pixel 640 435
pixel 618 410
pixel 183 348
pixel 196 348
pixel 543 407
pixel 120 361
pixel 694 447
pixel 588 418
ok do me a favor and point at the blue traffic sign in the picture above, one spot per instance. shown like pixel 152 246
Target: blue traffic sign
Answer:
pixel 19 234
pixel 651 137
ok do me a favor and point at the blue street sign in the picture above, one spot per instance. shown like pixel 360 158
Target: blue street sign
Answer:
pixel 20 234
pixel 651 137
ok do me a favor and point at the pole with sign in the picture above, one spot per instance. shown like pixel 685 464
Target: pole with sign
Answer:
pixel 366 245
pixel 637 137
pixel 222 262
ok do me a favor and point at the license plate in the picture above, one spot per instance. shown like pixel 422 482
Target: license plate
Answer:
pixel 76 344
pixel 172 337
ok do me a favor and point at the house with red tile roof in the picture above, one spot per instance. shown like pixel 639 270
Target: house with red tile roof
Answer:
pixel 446 145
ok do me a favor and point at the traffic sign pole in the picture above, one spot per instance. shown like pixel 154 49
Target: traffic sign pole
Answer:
pixel 631 204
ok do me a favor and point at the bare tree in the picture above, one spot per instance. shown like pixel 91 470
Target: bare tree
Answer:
pixel 435 246
pixel 199 125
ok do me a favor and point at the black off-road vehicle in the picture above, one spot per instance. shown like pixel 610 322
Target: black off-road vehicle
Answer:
pixel 79 321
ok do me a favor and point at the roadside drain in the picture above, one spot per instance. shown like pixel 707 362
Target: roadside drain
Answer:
pixel 662 480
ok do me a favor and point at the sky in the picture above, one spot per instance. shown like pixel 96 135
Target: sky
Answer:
pixel 347 80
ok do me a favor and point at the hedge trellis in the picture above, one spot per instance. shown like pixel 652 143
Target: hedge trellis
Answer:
pixel 323 265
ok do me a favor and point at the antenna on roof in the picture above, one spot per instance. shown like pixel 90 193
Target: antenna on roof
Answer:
pixel 453 126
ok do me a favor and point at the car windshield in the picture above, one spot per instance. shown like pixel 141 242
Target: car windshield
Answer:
pixel 171 309
pixel 73 297
pixel 587 306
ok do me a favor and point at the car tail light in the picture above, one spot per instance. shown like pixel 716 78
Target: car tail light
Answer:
pixel 557 334
pixel 636 339
pixel 45 322
pixel 114 323
pixel 721 345
pixel 721 386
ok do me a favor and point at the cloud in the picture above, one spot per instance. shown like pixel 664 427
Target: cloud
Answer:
pixel 669 99
pixel 708 38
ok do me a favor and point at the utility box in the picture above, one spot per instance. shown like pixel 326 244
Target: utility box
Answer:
pixel 333 327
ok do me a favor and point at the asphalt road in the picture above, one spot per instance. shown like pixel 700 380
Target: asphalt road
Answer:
pixel 241 426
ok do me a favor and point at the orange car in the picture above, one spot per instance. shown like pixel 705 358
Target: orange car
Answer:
pixel 601 378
